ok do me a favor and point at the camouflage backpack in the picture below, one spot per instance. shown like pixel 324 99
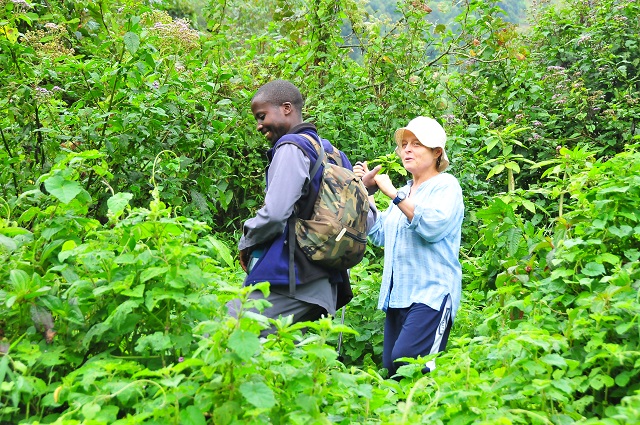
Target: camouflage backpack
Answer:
pixel 336 234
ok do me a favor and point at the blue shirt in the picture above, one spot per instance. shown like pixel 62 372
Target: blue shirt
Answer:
pixel 422 254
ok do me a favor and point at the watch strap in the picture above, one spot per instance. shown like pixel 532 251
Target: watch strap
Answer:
pixel 399 198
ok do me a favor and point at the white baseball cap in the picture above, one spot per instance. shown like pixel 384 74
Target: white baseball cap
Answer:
pixel 429 133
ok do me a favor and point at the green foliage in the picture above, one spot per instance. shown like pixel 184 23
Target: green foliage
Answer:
pixel 591 58
pixel 362 314
pixel 126 138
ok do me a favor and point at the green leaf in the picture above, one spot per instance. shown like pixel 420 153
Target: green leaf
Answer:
pixel 632 254
pixel 227 413
pixel 593 269
pixel 530 206
pixel 624 327
pixel 118 202
pixel 222 250
pixel 8 243
pixel 14 231
pixel 245 344
pixel 623 378
pixel 123 310
pixel 491 143
pixel 258 394
pixel 172 381
pixel 19 278
pixel 157 342
pixel 622 231
pixel 4 367
pixel 598 381
pixel 62 189
pixel 614 189
pixel 192 416
pixel 90 410
pixel 495 170
pixel 152 272
pixel 514 236
pixel 131 42
pixel 607 257
pixel 49 248
pixel 67 250
pixel 554 360
pixel 136 292
pixel 563 385
pixel 513 166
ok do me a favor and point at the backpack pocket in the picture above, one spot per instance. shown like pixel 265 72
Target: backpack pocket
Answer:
pixel 326 241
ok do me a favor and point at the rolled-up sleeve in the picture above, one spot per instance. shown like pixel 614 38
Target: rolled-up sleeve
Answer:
pixel 434 220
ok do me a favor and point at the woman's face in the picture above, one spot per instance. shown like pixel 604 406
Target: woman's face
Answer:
pixel 417 158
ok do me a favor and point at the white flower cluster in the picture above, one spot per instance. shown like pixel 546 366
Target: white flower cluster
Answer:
pixel 54 44
pixel 176 35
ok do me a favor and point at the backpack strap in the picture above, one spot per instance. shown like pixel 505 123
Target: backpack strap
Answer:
pixel 292 250
pixel 321 155
pixel 291 237
pixel 321 160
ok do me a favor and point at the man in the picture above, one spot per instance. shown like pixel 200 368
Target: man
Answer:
pixel 264 246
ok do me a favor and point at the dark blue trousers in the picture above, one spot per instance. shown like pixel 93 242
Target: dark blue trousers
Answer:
pixel 417 330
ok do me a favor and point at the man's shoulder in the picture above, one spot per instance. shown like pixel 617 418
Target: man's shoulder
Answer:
pixel 302 141
pixel 295 139
pixel 345 159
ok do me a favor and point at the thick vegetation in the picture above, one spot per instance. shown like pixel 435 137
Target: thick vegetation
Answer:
pixel 129 160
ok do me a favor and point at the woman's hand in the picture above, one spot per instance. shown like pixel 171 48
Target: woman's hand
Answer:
pixel 368 177
pixel 385 185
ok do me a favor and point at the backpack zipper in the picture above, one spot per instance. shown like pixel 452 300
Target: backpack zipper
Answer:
pixel 351 235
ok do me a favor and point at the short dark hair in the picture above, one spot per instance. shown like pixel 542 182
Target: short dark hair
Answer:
pixel 278 92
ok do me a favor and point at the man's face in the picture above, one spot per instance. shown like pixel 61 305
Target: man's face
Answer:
pixel 273 121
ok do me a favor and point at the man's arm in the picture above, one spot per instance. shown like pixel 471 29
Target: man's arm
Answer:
pixel 288 174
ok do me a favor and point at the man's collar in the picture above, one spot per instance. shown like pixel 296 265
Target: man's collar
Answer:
pixel 302 127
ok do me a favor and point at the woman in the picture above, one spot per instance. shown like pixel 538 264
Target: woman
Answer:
pixel 421 280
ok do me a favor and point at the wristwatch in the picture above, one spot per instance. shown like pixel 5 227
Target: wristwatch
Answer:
pixel 399 197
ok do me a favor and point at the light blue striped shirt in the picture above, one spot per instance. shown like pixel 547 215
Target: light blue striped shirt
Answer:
pixel 422 255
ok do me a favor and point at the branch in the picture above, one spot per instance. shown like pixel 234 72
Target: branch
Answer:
pixel 6 146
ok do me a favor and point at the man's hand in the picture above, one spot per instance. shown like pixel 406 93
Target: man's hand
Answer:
pixel 368 177
pixel 244 259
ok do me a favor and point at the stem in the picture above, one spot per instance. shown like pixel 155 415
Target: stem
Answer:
pixel 532 415
pixel 111 97
pixel 13 174
pixel 511 181
pixel 100 3
pixel 13 54
pixel 171 67
pixel 409 402
pixel 113 94
pixel 222 13
pixel 39 149
pixel 561 201
pixel 606 388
